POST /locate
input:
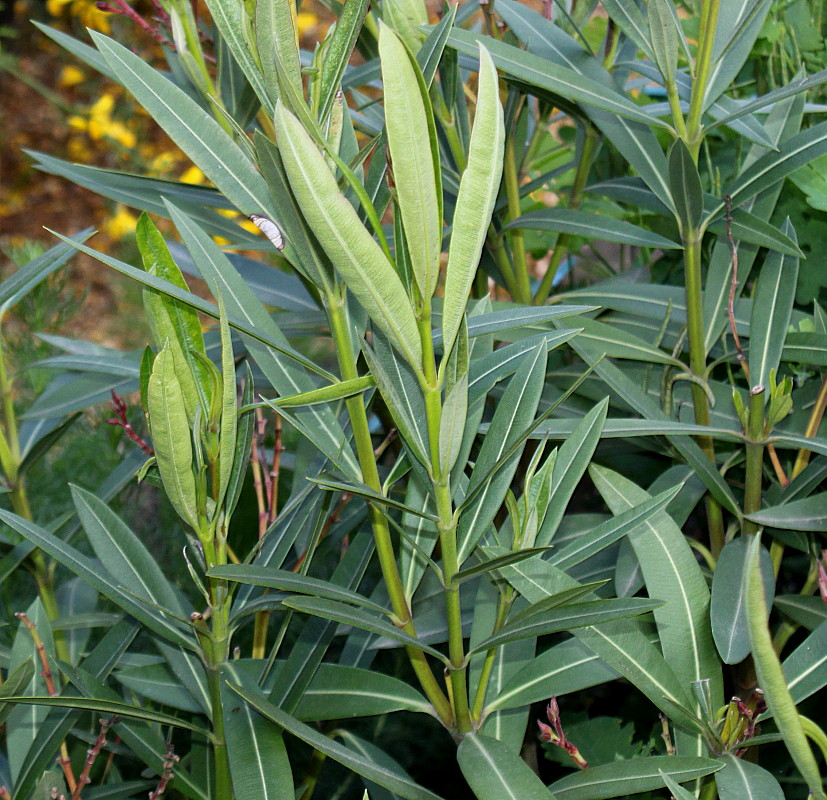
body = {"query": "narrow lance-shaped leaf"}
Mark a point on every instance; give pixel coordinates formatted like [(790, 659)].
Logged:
[(171, 438), (475, 200), (664, 37), (414, 157), (771, 677), (685, 184), (772, 308), (277, 43), (357, 257)]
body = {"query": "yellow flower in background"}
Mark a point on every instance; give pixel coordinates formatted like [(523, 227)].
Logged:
[(84, 10), (306, 22), (70, 76), (163, 162), (122, 224), (192, 175), (121, 134)]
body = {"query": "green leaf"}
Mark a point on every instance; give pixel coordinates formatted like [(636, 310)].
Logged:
[(495, 772), (771, 676), (327, 394), (15, 683), (93, 574), (452, 424), (591, 226), (358, 258), (553, 78), (748, 228), (475, 200), (229, 406), (569, 467), (514, 414), (496, 563), (792, 153), (617, 343), (567, 618), (664, 38), (728, 607), (287, 581), (672, 574), (277, 44), (678, 792), (155, 682), (345, 615), (190, 127), (807, 611), (630, 20), (343, 692), (269, 346), (805, 669), (171, 438), (414, 157), (808, 514), (339, 50), (685, 184), (742, 780), (352, 760), (258, 759), (108, 707), (567, 667), (610, 531), (772, 306), (630, 777)]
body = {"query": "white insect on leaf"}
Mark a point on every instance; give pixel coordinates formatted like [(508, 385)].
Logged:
[(269, 229)]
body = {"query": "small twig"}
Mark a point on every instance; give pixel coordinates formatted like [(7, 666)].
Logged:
[(120, 421), (733, 285), (777, 466), (48, 678), (666, 736), (555, 734), (170, 760), (275, 470), (91, 754), (822, 576), (256, 462)]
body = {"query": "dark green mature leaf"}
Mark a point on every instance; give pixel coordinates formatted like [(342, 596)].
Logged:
[(772, 306), (346, 615), (742, 780), (591, 226), (553, 78), (15, 683), (808, 514), (288, 581), (793, 153), (567, 618), (805, 669), (190, 127), (98, 577), (258, 759), (631, 776), (495, 772), (807, 611), (728, 607), (352, 760), (685, 183)]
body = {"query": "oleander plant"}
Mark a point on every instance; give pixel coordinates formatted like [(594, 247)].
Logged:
[(479, 447)]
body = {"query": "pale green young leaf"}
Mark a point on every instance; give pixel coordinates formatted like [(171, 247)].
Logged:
[(685, 185), (278, 44), (452, 424), (664, 38), (495, 772), (357, 257), (405, 17), (171, 438), (414, 157), (771, 676), (477, 192), (190, 127), (327, 394), (772, 306), (229, 406)]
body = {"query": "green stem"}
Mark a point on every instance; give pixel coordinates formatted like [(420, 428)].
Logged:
[(217, 648), (446, 526), (511, 179), (703, 66), (381, 531), (697, 366), (561, 247), (755, 458), (503, 604)]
